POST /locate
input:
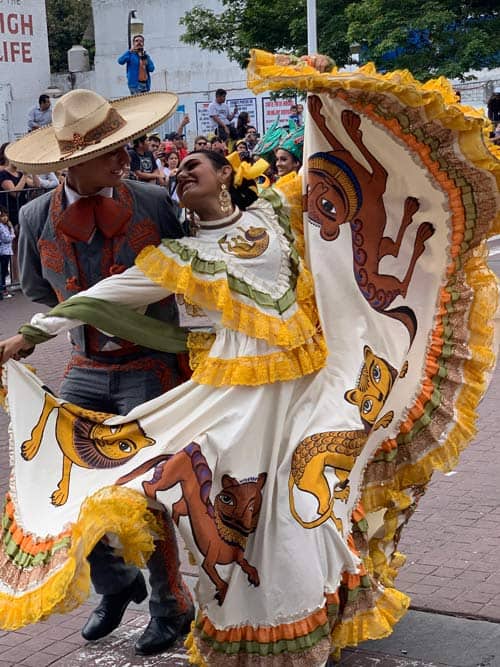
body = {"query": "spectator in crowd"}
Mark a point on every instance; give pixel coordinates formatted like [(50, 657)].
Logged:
[(7, 235), (178, 143), (139, 67), (294, 114), (300, 114), (13, 186), (201, 143), (48, 180), (218, 145), (251, 138), (242, 148), (496, 135), (242, 125), (494, 106), (143, 163), (171, 162), (41, 115), (154, 145), (220, 115), (87, 229)]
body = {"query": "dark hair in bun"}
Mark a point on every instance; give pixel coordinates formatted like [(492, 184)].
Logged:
[(242, 196)]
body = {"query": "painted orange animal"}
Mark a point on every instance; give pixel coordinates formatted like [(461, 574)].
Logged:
[(221, 529), (340, 191), (84, 441)]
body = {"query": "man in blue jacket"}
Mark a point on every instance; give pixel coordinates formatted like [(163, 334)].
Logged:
[(139, 67)]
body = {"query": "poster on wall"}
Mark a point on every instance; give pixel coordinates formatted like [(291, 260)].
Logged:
[(273, 109), (248, 104), (204, 123)]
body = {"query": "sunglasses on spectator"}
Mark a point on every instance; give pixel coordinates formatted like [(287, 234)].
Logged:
[(202, 143)]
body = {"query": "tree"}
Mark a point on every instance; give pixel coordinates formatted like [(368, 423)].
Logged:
[(67, 21), (272, 25), (429, 37)]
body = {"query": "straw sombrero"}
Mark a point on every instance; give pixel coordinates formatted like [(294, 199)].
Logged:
[(85, 125)]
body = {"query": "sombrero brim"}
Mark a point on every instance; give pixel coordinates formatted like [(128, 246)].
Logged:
[(39, 152)]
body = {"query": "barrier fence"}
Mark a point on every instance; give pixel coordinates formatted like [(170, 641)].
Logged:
[(13, 202)]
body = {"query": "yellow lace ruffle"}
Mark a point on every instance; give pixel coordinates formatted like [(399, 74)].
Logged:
[(286, 331), (264, 369), (436, 95), (376, 623), (445, 457), (112, 509), (290, 186), (194, 655)]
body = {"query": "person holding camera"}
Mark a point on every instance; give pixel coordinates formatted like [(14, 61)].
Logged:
[(139, 67)]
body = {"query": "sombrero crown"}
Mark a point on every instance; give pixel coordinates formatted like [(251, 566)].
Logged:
[(85, 125)]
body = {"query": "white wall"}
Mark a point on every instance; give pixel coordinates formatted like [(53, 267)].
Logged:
[(188, 71), (24, 62)]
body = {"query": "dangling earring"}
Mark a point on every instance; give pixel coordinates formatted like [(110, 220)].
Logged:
[(226, 205)]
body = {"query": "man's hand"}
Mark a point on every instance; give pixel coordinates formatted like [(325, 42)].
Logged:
[(12, 348)]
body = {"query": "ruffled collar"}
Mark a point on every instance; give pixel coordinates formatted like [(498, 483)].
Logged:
[(208, 225)]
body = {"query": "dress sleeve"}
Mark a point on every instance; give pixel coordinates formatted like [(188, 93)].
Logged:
[(130, 288)]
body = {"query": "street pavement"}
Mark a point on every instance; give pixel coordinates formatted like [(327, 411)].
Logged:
[(452, 544)]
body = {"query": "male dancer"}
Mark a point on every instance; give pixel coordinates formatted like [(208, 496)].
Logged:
[(91, 227)]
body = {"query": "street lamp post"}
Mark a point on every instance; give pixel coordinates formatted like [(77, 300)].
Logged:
[(312, 34), (135, 26)]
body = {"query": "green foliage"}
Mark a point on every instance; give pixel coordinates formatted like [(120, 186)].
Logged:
[(272, 25), (67, 21), (428, 37)]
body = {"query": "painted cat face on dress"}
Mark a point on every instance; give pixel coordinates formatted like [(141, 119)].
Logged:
[(373, 387), (237, 507)]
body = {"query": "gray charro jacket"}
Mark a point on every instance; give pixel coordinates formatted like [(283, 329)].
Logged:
[(53, 268)]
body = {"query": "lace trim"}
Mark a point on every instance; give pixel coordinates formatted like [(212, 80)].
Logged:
[(288, 330), (112, 509), (264, 369), (205, 253)]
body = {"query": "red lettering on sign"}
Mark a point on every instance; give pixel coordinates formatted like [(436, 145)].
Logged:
[(26, 52), (12, 24), (12, 52), (27, 24)]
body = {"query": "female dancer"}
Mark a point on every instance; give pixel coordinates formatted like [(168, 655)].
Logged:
[(263, 455)]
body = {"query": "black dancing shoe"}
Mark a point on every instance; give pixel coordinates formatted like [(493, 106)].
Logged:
[(108, 615), (162, 633)]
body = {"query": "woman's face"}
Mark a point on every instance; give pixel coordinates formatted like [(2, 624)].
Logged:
[(285, 162), (173, 161), (199, 181), (242, 148)]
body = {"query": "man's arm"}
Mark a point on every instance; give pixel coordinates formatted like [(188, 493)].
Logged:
[(147, 176), (48, 180), (32, 125), (150, 66), (33, 284), (124, 58)]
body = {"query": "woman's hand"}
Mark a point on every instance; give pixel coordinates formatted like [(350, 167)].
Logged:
[(12, 348)]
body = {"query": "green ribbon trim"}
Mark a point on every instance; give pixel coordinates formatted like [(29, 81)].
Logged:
[(22, 559), (34, 335), (211, 268), (120, 321), (297, 645)]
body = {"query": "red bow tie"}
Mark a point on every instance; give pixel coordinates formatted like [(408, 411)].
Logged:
[(79, 221)]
